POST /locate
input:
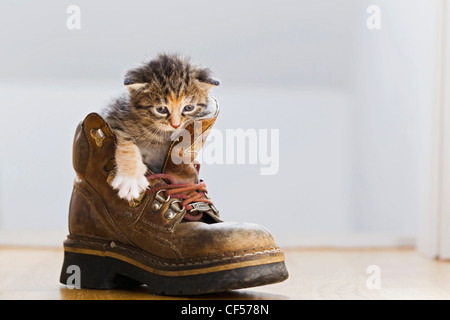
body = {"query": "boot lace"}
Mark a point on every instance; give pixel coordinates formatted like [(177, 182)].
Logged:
[(189, 193)]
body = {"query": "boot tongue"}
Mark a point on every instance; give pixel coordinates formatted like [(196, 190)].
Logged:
[(179, 161)]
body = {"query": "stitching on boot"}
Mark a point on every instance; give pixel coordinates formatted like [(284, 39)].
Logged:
[(272, 249), (158, 227)]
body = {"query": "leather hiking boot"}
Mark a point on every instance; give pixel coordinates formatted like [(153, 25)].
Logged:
[(170, 239)]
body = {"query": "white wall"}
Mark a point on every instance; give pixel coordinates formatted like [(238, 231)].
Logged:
[(289, 42), (352, 105), (394, 95)]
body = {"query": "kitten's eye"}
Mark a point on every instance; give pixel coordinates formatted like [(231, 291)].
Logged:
[(188, 108), (162, 110)]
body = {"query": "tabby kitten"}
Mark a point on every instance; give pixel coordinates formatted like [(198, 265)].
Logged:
[(165, 95)]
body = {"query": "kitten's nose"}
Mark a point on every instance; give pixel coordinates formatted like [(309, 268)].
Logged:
[(175, 121)]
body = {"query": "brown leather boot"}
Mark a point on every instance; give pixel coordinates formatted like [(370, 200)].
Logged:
[(171, 239)]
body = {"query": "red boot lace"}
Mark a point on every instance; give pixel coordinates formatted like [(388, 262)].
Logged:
[(189, 193)]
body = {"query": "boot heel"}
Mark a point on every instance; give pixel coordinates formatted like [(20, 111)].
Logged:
[(84, 271)]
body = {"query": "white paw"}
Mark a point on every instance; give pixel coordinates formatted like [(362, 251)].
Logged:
[(130, 187)]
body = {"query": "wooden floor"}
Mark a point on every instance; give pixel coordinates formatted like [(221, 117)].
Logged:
[(27, 273)]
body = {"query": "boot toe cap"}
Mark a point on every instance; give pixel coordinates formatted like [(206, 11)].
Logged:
[(224, 238)]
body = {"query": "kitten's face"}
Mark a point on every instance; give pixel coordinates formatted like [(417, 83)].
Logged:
[(169, 92), (167, 112)]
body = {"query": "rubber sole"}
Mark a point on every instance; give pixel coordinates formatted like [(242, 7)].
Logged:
[(118, 268)]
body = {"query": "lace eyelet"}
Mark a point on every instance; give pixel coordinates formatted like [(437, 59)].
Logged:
[(173, 210)]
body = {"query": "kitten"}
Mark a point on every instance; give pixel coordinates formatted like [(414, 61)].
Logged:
[(165, 95)]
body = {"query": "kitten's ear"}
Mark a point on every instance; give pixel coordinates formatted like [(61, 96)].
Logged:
[(208, 83), (134, 86), (205, 81)]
